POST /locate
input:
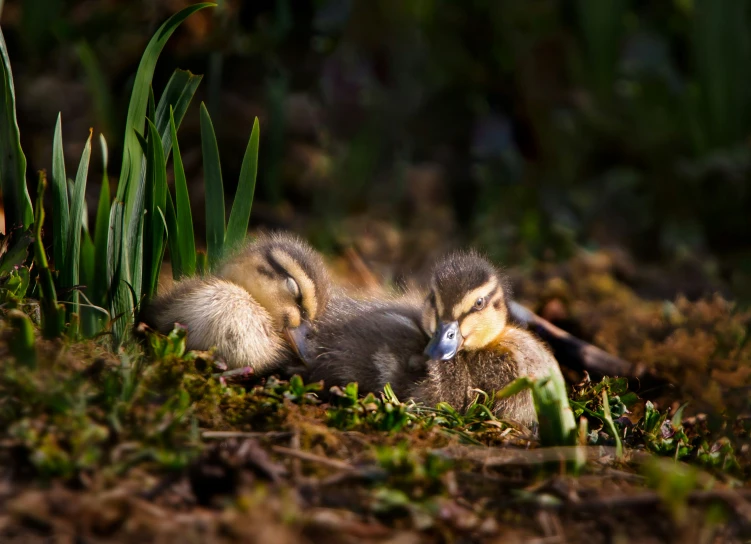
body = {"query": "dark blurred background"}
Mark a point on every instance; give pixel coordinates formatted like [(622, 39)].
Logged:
[(531, 129)]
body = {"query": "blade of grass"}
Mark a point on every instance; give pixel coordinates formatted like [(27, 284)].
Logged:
[(212, 179), (53, 314), (77, 211), (183, 237), (610, 424), (156, 200), (87, 266), (173, 233), (174, 102), (132, 153), (178, 94), (136, 287), (118, 295), (101, 226), (239, 217), (124, 223), (17, 204), (60, 206)]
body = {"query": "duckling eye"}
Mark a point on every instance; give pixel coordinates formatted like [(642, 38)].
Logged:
[(292, 287), (479, 304)]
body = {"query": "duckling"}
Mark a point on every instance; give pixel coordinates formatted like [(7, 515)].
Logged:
[(260, 300), (473, 346), (373, 342)]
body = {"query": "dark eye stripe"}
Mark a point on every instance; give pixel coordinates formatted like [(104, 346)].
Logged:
[(488, 298), (278, 268)]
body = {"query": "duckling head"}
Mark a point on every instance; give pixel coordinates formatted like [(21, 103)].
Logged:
[(466, 308), (287, 277)]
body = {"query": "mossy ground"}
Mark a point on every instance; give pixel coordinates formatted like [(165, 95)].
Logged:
[(150, 445)]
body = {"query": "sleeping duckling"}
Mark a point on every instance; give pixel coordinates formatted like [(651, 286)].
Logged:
[(372, 342), (251, 311), (473, 346)]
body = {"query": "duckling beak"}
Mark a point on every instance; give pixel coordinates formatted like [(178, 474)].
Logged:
[(298, 339), (445, 342)]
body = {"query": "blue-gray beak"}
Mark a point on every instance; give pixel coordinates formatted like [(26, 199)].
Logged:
[(445, 342), (298, 340)]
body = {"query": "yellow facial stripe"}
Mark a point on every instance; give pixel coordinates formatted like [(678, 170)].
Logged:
[(307, 287), (438, 302), (466, 304)]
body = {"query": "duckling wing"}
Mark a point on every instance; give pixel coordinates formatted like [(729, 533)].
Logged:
[(371, 342), (222, 315)]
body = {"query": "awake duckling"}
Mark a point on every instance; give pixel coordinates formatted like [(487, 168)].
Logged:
[(253, 309), (473, 346)]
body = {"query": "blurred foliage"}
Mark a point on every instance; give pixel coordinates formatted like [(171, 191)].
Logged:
[(526, 127)]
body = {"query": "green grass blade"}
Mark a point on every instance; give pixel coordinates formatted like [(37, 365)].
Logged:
[(101, 226), (173, 234), (610, 424), (174, 102), (239, 217), (156, 200), (53, 314), (87, 268), (18, 210), (132, 177), (152, 104), (77, 211), (178, 94), (118, 293), (554, 414), (132, 154), (212, 178), (60, 206), (184, 236), (136, 285)]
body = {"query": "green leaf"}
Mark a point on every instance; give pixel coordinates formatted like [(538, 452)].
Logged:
[(239, 217), (122, 251), (101, 226), (132, 154), (212, 178), (22, 339), (87, 267), (156, 200), (14, 248), (185, 237), (136, 285), (173, 234), (173, 104), (556, 420), (513, 388), (18, 210), (53, 314), (117, 272), (77, 210), (60, 206), (610, 424)]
